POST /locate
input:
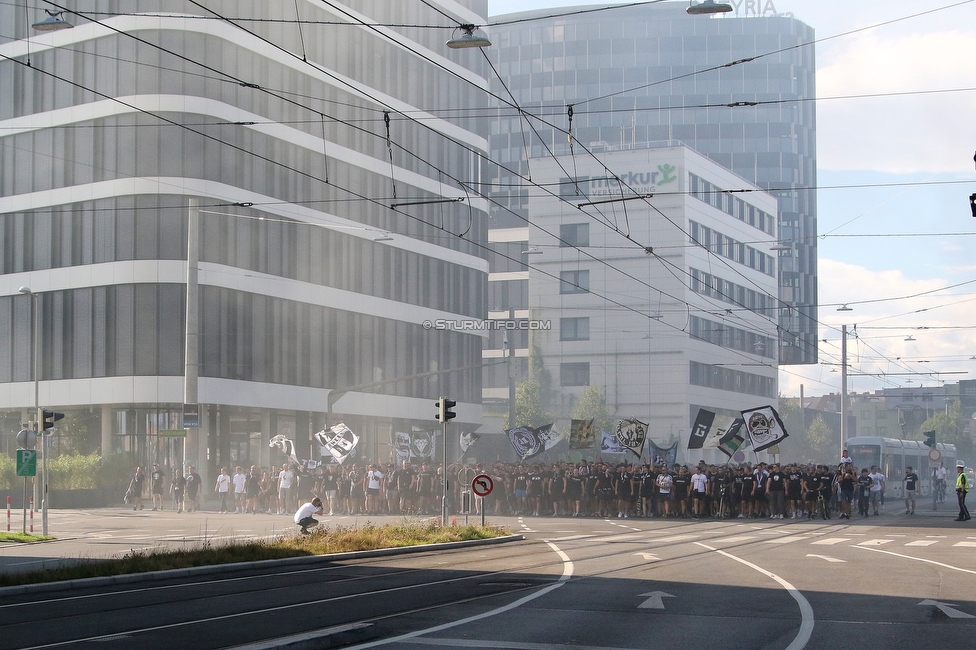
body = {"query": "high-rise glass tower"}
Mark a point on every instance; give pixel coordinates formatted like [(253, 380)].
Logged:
[(648, 76)]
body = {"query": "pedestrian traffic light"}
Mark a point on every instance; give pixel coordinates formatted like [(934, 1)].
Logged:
[(50, 417), (972, 203), (929, 439), (444, 412)]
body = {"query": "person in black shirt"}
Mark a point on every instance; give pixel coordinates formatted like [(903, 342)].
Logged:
[(794, 490), (911, 488), (846, 486), (680, 485), (864, 484), (776, 489), (748, 491)]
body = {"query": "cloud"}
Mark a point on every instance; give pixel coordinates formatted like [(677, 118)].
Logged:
[(916, 133), (877, 331)]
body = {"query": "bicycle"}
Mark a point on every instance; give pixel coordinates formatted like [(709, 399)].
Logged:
[(823, 506)]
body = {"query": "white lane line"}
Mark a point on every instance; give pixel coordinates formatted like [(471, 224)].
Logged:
[(830, 541), (571, 538), (730, 540), (917, 559), (786, 540), (568, 569), (806, 611), (875, 542), (923, 542), (966, 544), (676, 538)]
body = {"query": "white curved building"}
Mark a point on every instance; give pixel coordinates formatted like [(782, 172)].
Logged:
[(324, 151)]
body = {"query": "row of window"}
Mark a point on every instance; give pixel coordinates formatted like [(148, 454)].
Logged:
[(735, 294), (139, 330), (731, 205), (733, 338), (729, 248), (736, 381), (154, 228)]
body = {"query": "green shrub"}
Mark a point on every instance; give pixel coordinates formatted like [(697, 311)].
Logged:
[(74, 472), (8, 473)]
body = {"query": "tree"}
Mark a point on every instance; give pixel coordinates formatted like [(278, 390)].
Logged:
[(591, 405), (535, 397)]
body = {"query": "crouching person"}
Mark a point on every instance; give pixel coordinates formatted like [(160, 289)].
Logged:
[(304, 515)]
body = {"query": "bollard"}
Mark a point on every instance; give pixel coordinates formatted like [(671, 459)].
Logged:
[(32, 514), (8, 514)]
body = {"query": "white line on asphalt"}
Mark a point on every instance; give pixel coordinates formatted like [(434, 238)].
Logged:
[(568, 569), (826, 557), (806, 611), (917, 559), (571, 538)]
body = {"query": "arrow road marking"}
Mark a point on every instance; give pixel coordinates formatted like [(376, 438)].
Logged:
[(825, 557), (946, 608), (647, 556), (655, 601)]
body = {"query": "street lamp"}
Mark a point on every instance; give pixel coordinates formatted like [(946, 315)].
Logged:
[(709, 7), (38, 417), (468, 39), (53, 23)]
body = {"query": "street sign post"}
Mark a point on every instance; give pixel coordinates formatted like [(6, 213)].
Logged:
[(26, 462), (482, 485)]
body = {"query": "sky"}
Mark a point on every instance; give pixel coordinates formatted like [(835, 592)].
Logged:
[(896, 137)]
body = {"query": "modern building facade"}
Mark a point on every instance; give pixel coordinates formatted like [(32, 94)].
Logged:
[(314, 161), (668, 304), (626, 78)]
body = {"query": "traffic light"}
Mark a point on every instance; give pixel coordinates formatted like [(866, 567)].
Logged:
[(50, 417), (929, 439), (444, 412), (972, 203)]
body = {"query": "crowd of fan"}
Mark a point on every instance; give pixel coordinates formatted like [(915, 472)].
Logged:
[(601, 489)]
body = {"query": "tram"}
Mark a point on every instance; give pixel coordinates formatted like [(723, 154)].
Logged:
[(892, 456)]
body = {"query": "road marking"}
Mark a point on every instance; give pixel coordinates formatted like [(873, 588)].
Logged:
[(676, 538), (917, 559), (656, 600), (571, 538), (875, 542), (786, 540), (623, 537), (966, 544), (648, 556), (731, 540), (826, 557), (830, 541), (923, 542), (947, 609), (806, 611), (568, 569)]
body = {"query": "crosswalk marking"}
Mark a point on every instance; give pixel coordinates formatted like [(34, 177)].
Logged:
[(787, 540), (875, 542), (966, 544), (923, 542), (831, 541), (730, 540), (676, 538)]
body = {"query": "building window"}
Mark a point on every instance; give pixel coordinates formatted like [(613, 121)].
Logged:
[(574, 282), (574, 234), (574, 374), (574, 329)]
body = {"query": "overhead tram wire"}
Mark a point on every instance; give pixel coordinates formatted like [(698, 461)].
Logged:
[(366, 198), (779, 51)]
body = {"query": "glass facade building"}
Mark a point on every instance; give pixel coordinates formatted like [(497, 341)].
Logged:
[(627, 78), (325, 158)]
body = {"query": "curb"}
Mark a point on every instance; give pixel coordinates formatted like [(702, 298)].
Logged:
[(217, 569)]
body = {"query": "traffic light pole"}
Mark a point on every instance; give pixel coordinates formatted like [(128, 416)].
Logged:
[(444, 477), (39, 413)]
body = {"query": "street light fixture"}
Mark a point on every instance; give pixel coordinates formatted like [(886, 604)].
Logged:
[(38, 416), (709, 7), (53, 23), (468, 39)]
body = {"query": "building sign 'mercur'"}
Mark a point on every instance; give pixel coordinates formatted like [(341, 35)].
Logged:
[(753, 7), (637, 182)]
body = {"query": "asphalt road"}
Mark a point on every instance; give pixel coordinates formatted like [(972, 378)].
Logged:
[(889, 582)]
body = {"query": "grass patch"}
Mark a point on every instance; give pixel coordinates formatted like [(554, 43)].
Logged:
[(321, 541), (22, 537)]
